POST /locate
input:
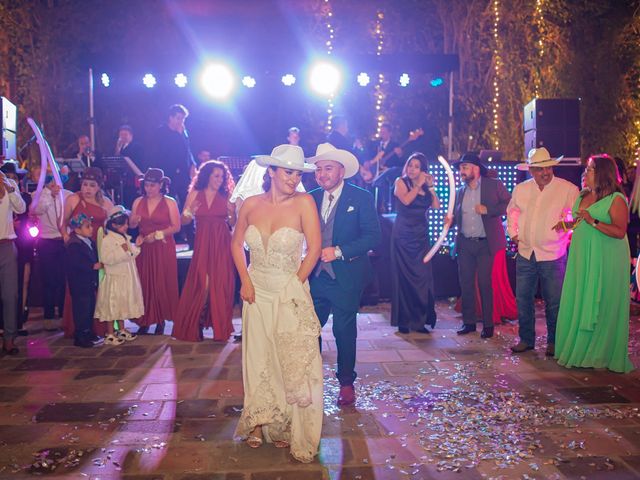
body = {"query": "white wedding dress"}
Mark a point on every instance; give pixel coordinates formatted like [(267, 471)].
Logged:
[(281, 362)]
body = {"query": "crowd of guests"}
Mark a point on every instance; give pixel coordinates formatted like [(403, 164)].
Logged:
[(121, 265)]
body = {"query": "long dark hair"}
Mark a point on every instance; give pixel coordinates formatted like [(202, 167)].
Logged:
[(424, 167), (116, 221), (201, 180), (606, 176)]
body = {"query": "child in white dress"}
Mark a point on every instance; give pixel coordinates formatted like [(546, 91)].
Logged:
[(119, 292)]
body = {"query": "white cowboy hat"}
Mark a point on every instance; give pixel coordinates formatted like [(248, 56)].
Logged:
[(285, 156), (539, 157), (326, 151)]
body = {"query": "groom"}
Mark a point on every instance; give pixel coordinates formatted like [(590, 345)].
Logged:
[(350, 229)]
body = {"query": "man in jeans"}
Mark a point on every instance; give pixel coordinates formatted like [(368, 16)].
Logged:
[(535, 221)]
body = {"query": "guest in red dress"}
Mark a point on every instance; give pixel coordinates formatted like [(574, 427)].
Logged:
[(207, 297), (158, 217), (90, 201)]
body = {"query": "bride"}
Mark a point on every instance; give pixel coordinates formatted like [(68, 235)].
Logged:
[(281, 363)]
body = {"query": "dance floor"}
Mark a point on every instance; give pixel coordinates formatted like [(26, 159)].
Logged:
[(429, 406)]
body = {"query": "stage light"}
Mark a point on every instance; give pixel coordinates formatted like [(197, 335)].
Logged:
[(34, 231), (181, 80), (106, 81), (436, 82), (363, 79), (404, 80), (248, 81), (149, 80), (325, 78), (217, 81), (288, 79)]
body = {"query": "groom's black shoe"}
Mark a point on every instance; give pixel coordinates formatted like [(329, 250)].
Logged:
[(466, 329), (487, 332)]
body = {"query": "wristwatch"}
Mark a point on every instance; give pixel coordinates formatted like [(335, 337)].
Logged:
[(595, 222), (338, 252)]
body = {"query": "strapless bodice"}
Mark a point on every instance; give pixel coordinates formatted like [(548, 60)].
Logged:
[(281, 252)]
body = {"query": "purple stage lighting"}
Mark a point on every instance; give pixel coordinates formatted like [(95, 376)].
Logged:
[(363, 79), (217, 81), (149, 80), (248, 81), (404, 80), (288, 79), (325, 78), (106, 81), (181, 80)]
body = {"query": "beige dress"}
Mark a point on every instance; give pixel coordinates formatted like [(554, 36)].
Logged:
[(281, 362)]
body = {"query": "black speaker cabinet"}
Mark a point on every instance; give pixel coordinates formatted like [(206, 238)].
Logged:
[(9, 115), (8, 150), (558, 141), (552, 113)]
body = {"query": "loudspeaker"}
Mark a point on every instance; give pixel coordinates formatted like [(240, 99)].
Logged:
[(9, 115), (8, 150), (552, 113), (558, 141), (553, 123)]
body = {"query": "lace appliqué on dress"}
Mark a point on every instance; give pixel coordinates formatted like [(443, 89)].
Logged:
[(297, 348)]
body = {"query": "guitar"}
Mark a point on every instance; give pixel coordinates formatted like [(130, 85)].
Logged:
[(368, 170)]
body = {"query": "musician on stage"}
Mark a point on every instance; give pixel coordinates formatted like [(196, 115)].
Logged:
[(388, 168), (133, 154)]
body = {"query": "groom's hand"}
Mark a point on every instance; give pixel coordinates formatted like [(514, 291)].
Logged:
[(328, 254)]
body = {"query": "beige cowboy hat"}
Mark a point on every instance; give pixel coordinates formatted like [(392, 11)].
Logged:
[(348, 160), (285, 156), (539, 157)]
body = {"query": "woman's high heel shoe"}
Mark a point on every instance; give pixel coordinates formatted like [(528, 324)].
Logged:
[(254, 442)]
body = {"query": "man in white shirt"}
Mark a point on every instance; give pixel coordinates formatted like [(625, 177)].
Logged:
[(49, 209), (538, 206), (10, 202)]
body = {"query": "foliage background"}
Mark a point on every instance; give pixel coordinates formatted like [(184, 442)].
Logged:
[(591, 51)]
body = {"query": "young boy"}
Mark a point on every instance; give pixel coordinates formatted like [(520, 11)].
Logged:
[(82, 276)]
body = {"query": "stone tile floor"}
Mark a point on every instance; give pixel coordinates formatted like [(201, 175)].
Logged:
[(432, 406)]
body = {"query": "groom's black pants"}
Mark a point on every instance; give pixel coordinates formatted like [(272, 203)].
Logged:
[(329, 297)]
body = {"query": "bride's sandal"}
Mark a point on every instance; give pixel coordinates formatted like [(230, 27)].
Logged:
[(281, 444), (254, 442)]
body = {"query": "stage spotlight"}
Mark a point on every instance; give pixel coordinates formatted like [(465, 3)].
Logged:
[(106, 81), (248, 81), (288, 79), (181, 80), (404, 79), (217, 81), (436, 82), (325, 78), (149, 80), (363, 79)]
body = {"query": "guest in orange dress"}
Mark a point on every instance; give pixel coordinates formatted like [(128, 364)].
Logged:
[(207, 297), (158, 217), (90, 201)]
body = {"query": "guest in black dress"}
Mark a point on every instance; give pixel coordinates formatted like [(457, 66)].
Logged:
[(412, 302)]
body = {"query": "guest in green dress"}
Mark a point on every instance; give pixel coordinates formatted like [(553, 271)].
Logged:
[(593, 322)]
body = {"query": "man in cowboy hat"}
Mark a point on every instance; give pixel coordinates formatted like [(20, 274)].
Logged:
[(480, 205), (350, 228), (538, 207)]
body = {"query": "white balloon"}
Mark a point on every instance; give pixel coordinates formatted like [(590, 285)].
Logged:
[(452, 202)]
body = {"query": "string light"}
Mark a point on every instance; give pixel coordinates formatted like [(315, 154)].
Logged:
[(378, 90), (497, 65), (330, 32), (538, 16)]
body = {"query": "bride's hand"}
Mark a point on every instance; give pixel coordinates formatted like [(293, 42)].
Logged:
[(247, 292)]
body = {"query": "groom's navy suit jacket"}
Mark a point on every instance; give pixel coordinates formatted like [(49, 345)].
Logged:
[(356, 230)]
